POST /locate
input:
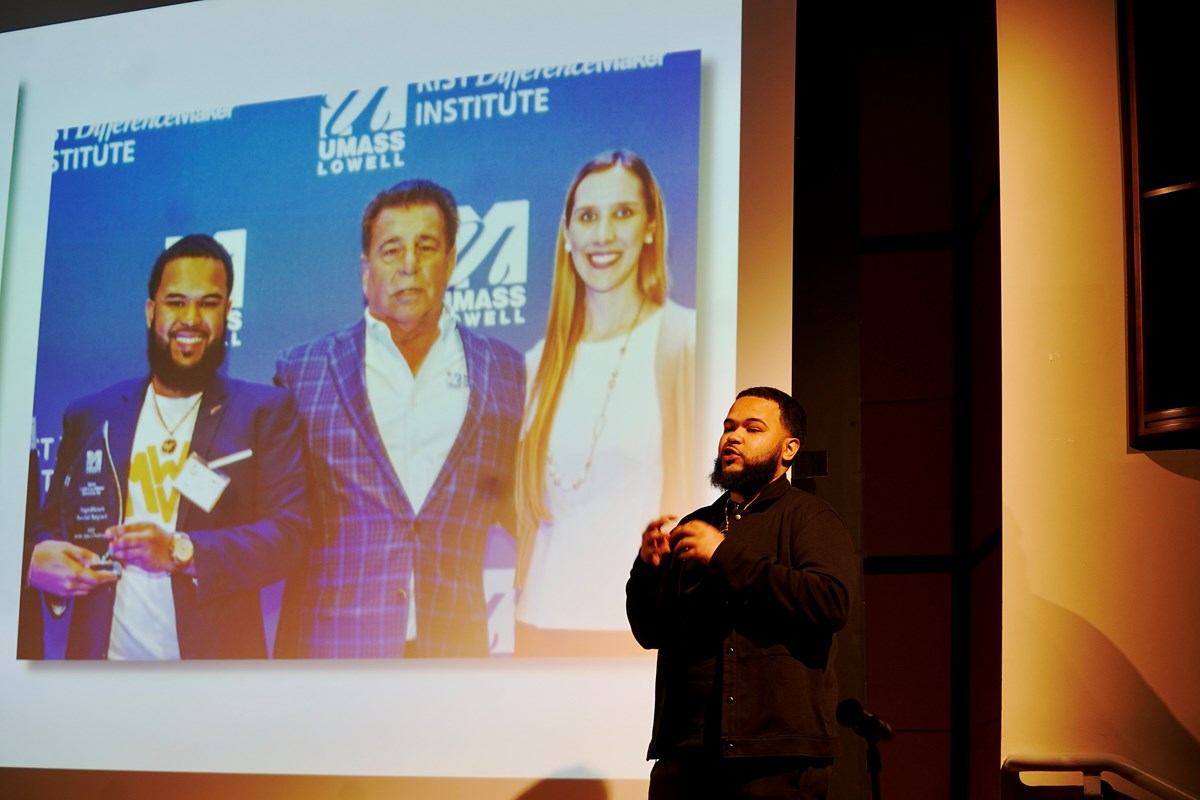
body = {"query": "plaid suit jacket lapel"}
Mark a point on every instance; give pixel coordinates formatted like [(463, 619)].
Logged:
[(346, 359), (467, 442)]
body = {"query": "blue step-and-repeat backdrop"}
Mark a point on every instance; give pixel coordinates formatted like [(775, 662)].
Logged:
[(283, 185)]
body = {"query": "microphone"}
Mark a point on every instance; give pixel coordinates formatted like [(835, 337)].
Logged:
[(851, 714)]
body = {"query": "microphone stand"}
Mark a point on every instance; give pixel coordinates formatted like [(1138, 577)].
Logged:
[(851, 714), (874, 765)]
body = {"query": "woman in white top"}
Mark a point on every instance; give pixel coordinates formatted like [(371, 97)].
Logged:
[(608, 416)]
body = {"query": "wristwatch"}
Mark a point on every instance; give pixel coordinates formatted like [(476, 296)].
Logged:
[(182, 551)]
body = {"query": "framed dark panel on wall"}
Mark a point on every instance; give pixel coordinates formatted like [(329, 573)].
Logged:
[(1159, 76)]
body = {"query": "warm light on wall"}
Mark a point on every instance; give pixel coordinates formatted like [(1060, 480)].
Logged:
[(1101, 544)]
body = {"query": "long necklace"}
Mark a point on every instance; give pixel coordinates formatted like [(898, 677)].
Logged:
[(552, 468), (169, 444)]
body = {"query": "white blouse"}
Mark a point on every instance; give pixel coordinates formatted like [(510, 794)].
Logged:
[(581, 558)]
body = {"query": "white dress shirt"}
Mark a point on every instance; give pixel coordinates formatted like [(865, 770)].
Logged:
[(418, 416)]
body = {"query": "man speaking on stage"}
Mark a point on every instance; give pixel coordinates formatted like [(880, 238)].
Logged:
[(742, 599)]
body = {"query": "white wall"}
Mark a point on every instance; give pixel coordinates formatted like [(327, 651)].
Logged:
[(1101, 544)]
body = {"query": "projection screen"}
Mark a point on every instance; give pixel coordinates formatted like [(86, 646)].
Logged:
[(493, 717)]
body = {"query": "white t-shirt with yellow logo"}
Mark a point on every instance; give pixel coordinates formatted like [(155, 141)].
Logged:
[(144, 615)]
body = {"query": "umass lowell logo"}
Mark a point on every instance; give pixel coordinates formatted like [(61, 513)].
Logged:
[(362, 131), (487, 288)]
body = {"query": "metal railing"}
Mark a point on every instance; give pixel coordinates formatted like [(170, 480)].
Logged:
[(1092, 765)]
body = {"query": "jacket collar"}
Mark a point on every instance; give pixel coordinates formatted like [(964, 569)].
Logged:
[(346, 359), (769, 494)]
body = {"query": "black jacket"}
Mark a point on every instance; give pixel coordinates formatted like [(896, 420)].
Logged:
[(775, 592)]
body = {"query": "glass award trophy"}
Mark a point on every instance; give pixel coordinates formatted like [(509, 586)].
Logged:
[(91, 499)]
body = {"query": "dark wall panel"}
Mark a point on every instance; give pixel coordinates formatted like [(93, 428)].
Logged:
[(905, 140), (908, 641), (906, 326), (906, 488)]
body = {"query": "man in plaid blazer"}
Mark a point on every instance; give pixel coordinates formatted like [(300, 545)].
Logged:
[(412, 423)]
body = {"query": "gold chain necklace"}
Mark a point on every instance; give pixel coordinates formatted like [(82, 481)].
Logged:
[(169, 444)]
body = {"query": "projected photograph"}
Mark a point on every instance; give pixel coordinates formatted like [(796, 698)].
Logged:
[(398, 371)]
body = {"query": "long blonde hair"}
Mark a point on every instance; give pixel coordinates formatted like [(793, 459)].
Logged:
[(564, 326)]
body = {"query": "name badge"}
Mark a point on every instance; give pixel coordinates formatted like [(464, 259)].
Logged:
[(201, 483)]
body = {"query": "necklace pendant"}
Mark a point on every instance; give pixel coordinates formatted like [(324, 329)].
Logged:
[(168, 445)]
